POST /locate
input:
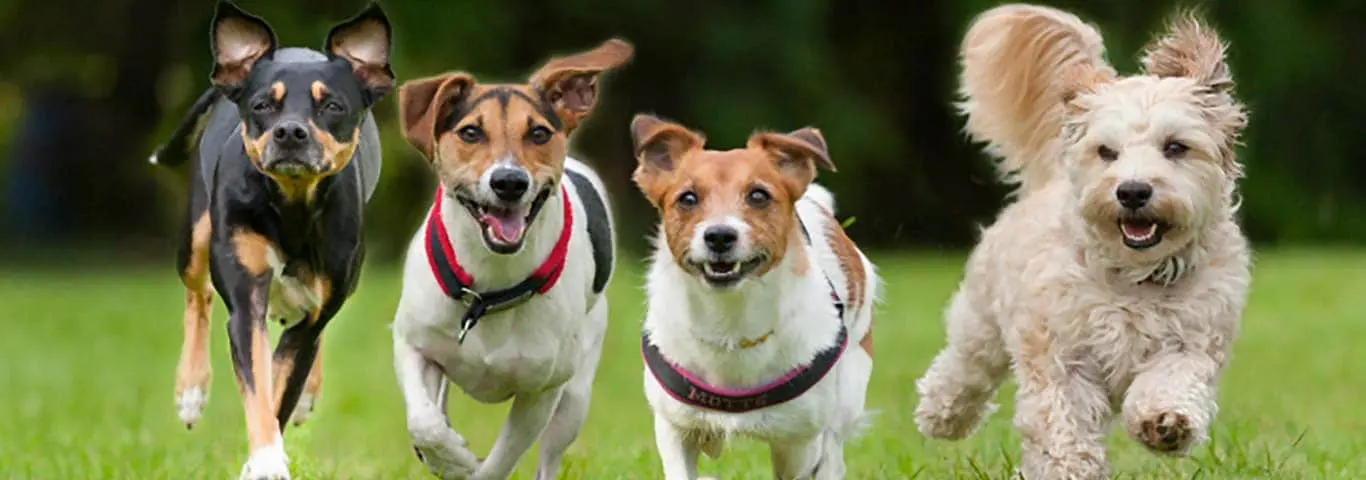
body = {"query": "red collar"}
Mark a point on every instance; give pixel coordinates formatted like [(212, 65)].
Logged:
[(459, 285)]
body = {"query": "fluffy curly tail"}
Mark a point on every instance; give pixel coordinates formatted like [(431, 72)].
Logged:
[(1015, 59)]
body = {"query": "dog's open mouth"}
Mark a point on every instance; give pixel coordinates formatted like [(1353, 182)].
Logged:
[(504, 227), (1141, 233), (727, 273)]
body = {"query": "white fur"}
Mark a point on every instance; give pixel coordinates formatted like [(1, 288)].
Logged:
[(696, 327), (190, 404), (542, 354), (1091, 328), (268, 462)]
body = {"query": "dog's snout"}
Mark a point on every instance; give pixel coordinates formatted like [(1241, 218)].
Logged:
[(720, 239), (1134, 195), (509, 184), (290, 134)]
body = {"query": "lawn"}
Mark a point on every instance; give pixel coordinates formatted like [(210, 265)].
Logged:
[(89, 359)]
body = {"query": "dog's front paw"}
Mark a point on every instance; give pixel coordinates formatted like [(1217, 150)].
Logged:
[(302, 409), (1166, 432), (189, 404), (443, 451), (267, 463)]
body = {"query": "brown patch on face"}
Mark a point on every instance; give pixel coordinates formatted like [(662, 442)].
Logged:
[(255, 147), (252, 251), (277, 92), (193, 369), (498, 122), (259, 402), (722, 182), (336, 153), (319, 90)]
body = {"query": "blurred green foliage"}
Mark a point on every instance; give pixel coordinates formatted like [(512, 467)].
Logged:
[(876, 77)]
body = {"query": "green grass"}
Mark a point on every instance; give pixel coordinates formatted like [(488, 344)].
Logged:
[(89, 360)]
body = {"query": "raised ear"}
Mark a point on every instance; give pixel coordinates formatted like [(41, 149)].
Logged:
[(570, 83), (797, 154), (1082, 79), (1189, 49), (238, 39), (424, 101), (365, 42), (658, 146)]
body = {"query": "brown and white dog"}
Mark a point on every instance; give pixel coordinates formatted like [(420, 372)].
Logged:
[(760, 308), (519, 243)]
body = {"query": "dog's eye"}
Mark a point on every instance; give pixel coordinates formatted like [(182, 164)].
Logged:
[(539, 135), (1106, 153), (687, 200), (262, 106), (758, 198), (470, 134), (1174, 149), (333, 107)]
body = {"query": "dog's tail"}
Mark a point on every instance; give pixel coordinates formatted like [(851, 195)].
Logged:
[(1016, 61), (176, 150)]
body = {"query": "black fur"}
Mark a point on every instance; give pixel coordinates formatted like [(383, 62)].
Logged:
[(321, 233), (599, 228)]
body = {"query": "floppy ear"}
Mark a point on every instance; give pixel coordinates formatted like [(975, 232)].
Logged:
[(365, 42), (570, 83), (658, 147), (1193, 50), (238, 39), (796, 154), (424, 101)]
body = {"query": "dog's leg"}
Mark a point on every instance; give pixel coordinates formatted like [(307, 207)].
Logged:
[(1170, 405), (528, 418), (956, 391), (443, 451), (312, 389), (294, 357), (797, 460), (572, 408), (193, 371), (1062, 413), (247, 279), (677, 450)]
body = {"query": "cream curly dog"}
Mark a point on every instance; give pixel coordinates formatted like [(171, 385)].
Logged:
[(1115, 282)]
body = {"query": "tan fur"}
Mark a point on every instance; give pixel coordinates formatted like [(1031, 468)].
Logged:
[(277, 92), (570, 83), (1092, 328), (252, 251), (318, 89), (1012, 57), (255, 147), (505, 131), (259, 402), (194, 369), (855, 277)]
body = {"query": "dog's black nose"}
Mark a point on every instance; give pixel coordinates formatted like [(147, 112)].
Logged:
[(290, 134), (509, 184), (1134, 195), (720, 239)]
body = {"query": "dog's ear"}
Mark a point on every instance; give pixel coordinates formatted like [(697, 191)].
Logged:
[(423, 102), (796, 154), (659, 145), (1192, 49), (570, 83), (365, 41), (238, 39), (1082, 79)]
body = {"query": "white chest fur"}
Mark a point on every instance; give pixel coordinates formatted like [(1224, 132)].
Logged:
[(290, 300)]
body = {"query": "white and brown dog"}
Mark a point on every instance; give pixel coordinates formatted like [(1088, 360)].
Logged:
[(503, 285), (760, 308), (1116, 281)]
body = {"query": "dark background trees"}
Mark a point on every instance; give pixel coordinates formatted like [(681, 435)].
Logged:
[(87, 88)]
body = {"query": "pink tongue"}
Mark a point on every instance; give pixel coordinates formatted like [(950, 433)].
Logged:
[(506, 226), (1137, 230)]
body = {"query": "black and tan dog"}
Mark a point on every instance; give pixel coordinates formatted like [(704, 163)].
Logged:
[(286, 161)]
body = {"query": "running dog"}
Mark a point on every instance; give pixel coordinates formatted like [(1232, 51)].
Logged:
[(503, 284), (1114, 284), (287, 158), (755, 296)]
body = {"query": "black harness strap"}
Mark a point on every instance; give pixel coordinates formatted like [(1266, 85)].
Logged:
[(691, 390)]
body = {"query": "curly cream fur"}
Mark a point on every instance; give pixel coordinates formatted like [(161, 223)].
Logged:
[(1090, 327)]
